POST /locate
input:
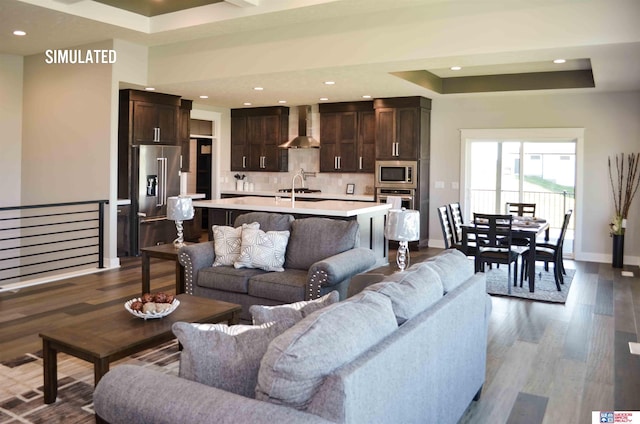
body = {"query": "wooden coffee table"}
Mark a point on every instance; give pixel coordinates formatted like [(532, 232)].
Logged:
[(120, 334)]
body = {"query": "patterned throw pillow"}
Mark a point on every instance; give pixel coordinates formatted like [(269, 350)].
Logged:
[(262, 250), (293, 312), (227, 242), (222, 356)]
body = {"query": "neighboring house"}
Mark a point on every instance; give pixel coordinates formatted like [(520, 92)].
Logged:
[(59, 122)]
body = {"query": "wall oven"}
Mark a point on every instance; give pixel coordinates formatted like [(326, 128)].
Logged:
[(396, 174), (407, 196)]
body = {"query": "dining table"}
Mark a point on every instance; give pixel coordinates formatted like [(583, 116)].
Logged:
[(527, 228)]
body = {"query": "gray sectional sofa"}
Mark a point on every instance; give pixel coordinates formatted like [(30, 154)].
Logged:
[(322, 255), (409, 349)]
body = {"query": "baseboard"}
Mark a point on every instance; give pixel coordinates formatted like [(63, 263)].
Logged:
[(604, 258), (436, 243)]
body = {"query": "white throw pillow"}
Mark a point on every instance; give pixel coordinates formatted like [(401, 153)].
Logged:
[(222, 356), (227, 242), (262, 250), (293, 312)]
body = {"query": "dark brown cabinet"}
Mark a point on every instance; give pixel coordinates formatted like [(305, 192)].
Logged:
[(402, 128), (255, 136), (403, 132), (347, 137), (149, 118), (184, 133)]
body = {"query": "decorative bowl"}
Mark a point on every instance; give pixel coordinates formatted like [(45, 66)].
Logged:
[(150, 315)]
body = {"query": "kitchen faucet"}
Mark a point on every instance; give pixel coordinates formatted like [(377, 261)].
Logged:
[(303, 176)]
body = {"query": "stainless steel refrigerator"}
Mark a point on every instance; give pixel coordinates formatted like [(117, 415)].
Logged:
[(155, 177)]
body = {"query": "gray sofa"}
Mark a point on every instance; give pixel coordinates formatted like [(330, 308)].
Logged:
[(322, 255), (410, 349)]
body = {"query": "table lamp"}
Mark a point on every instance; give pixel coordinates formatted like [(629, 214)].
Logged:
[(179, 209), (403, 226)]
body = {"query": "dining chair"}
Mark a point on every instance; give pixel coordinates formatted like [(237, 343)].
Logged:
[(455, 223), (496, 248), (521, 209), (445, 225), (550, 253), (524, 210)]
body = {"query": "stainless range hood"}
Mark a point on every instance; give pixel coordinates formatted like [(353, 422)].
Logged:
[(304, 139)]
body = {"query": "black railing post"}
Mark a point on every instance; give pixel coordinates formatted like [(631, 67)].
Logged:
[(101, 235)]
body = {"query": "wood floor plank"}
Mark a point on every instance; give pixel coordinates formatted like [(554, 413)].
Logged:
[(627, 374), (566, 392), (604, 298), (528, 409), (577, 339)]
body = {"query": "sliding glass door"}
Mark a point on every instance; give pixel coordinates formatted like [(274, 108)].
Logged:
[(507, 171)]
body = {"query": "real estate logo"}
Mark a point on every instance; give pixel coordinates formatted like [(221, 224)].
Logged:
[(615, 417), (78, 56)]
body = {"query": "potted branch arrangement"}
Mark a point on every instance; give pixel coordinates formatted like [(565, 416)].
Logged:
[(623, 187)]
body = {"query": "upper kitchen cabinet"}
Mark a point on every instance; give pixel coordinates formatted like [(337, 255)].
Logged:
[(149, 118), (184, 133), (347, 137), (402, 128), (255, 136)]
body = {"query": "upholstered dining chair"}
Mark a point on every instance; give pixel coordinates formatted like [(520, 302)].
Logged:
[(550, 253), (496, 248)]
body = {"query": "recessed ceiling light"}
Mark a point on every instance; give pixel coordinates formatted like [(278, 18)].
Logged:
[(247, 103), (204, 97), (456, 68), (150, 88), (329, 82), (282, 101), (258, 88), (19, 32), (366, 96), (559, 61), (324, 99)]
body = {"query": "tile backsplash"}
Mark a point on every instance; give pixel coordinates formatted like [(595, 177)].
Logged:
[(309, 160)]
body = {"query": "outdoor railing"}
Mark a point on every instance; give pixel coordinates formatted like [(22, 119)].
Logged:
[(549, 205), (43, 240)]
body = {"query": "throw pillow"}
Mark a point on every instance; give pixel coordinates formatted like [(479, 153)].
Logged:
[(227, 242), (293, 312), (222, 356), (262, 250), (297, 361), (452, 266)]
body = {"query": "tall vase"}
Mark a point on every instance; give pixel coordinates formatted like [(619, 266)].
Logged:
[(618, 251)]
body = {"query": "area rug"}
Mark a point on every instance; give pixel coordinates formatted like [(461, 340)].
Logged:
[(545, 288), (22, 396)]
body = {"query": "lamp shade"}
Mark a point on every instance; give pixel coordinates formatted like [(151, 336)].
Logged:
[(179, 208), (403, 225)]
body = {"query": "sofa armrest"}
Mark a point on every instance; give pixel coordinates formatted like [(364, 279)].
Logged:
[(337, 268), (193, 258), (131, 394)]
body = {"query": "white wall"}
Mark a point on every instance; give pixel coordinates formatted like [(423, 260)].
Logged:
[(66, 130), (611, 126), (11, 129)]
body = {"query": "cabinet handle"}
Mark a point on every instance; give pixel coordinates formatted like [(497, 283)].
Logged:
[(244, 162), (360, 162), (335, 162), (393, 149), (339, 162)]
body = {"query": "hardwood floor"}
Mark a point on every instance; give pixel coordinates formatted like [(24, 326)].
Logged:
[(547, 363)]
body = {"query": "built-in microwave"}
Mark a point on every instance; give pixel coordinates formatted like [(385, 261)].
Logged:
[(396, 173)]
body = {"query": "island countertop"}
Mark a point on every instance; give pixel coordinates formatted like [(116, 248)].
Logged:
[(337, 208)]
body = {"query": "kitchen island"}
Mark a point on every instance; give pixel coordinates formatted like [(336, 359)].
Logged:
[(370, 216)]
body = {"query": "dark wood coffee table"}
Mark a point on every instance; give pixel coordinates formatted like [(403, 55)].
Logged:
[(120, 334)]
